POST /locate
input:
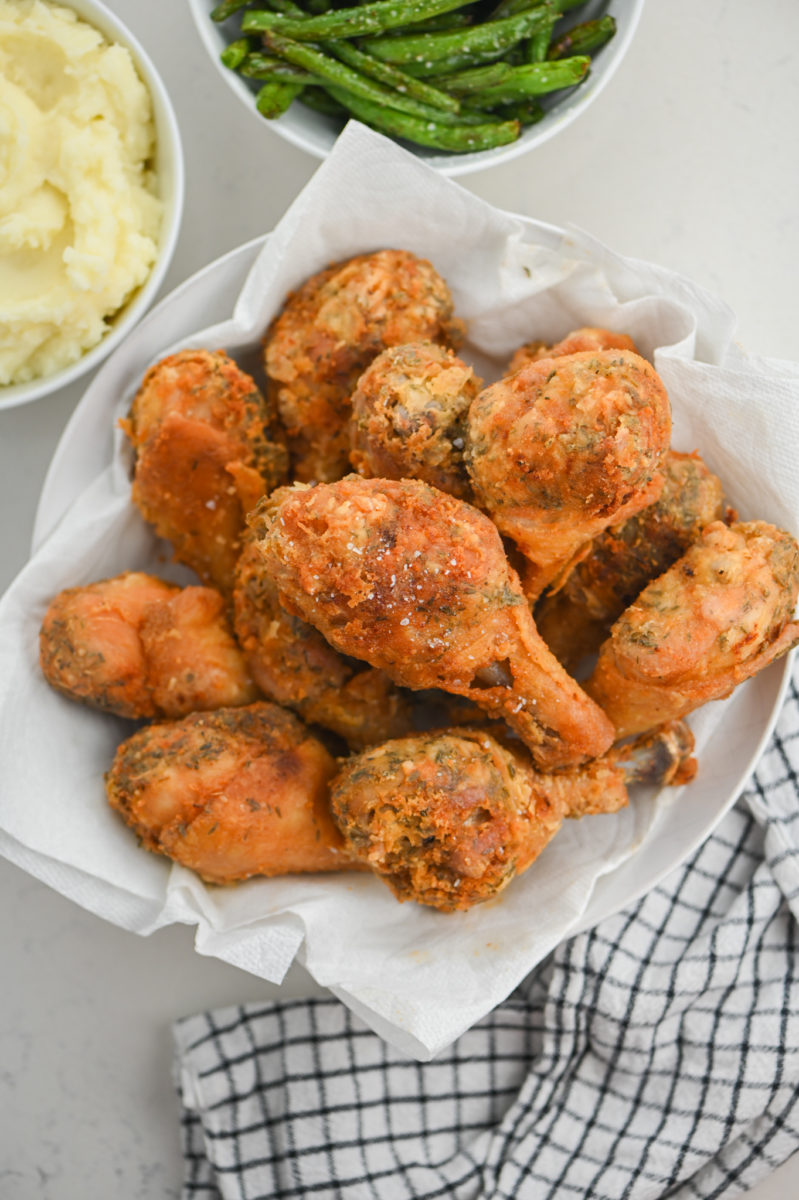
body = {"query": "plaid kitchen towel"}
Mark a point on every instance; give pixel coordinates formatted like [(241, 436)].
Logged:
[(655, 1056)]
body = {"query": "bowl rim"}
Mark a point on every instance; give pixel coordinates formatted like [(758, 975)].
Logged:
[(170, 173), (451, 165)]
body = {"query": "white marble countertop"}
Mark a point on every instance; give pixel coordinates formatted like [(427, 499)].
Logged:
[(688, 159)]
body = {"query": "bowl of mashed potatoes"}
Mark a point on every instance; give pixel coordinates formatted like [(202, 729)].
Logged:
[(91, 190)]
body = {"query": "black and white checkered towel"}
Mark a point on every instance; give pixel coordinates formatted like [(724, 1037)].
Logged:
[(655, 1056)]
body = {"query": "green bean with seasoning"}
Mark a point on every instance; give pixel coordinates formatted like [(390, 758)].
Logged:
[(450, 75), (347, 22), (266, 66), (391, 76), (234, 54), (276, 95), (450, 20), (537, 45), (475, 78), (533, 79), (253, 64), (337, 73), (582, 39), (481, 43), (227, 9), (457, 139)]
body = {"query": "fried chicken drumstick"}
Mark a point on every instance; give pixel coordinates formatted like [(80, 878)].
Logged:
[(293, 664), (588, 337), (329, 331), (230, 794), (448, 819), (564, 448), (416, 583), (139, 647), (207, 449), (576, 619), (718, 616), (409, 417)]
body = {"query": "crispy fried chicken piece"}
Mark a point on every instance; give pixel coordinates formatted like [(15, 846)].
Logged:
[(139, 647), (587, 338), (416, 583), (448, 819), (409, 417), (564, 448), (719, 615), (329, 331), (207, 448), (623, 559), (293, 664), (230, 794)]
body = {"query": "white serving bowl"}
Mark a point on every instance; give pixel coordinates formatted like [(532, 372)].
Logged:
[(169, 171), (55, 821), (316, 133)]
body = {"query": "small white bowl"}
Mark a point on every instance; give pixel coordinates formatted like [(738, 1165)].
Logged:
[(169, 172), (316, 133)]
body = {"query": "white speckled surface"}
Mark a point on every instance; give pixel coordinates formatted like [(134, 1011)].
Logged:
[(689, 159)]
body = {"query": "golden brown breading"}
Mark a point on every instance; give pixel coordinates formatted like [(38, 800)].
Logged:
[(328, 332), (416, 583), (207, 448), (622, 560), (588, 337), (720, 614), (139, 647), (448, 819), (564, 448), (293, 664), (409, 417), (230, 794)]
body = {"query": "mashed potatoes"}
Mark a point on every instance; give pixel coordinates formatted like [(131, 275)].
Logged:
[(79, 216)]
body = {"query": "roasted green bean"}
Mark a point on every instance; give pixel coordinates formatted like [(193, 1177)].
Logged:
[(537, 45), (235, 53), (459, 139), (475, 78), (347, 22), (392, 76), (275, 97), (533, 79), (227, 9), (266, 66), (452, 75), (582, 39), (332, 70), (479, 43)]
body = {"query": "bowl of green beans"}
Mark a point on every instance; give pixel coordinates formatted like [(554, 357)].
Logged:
[(464, 84)]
